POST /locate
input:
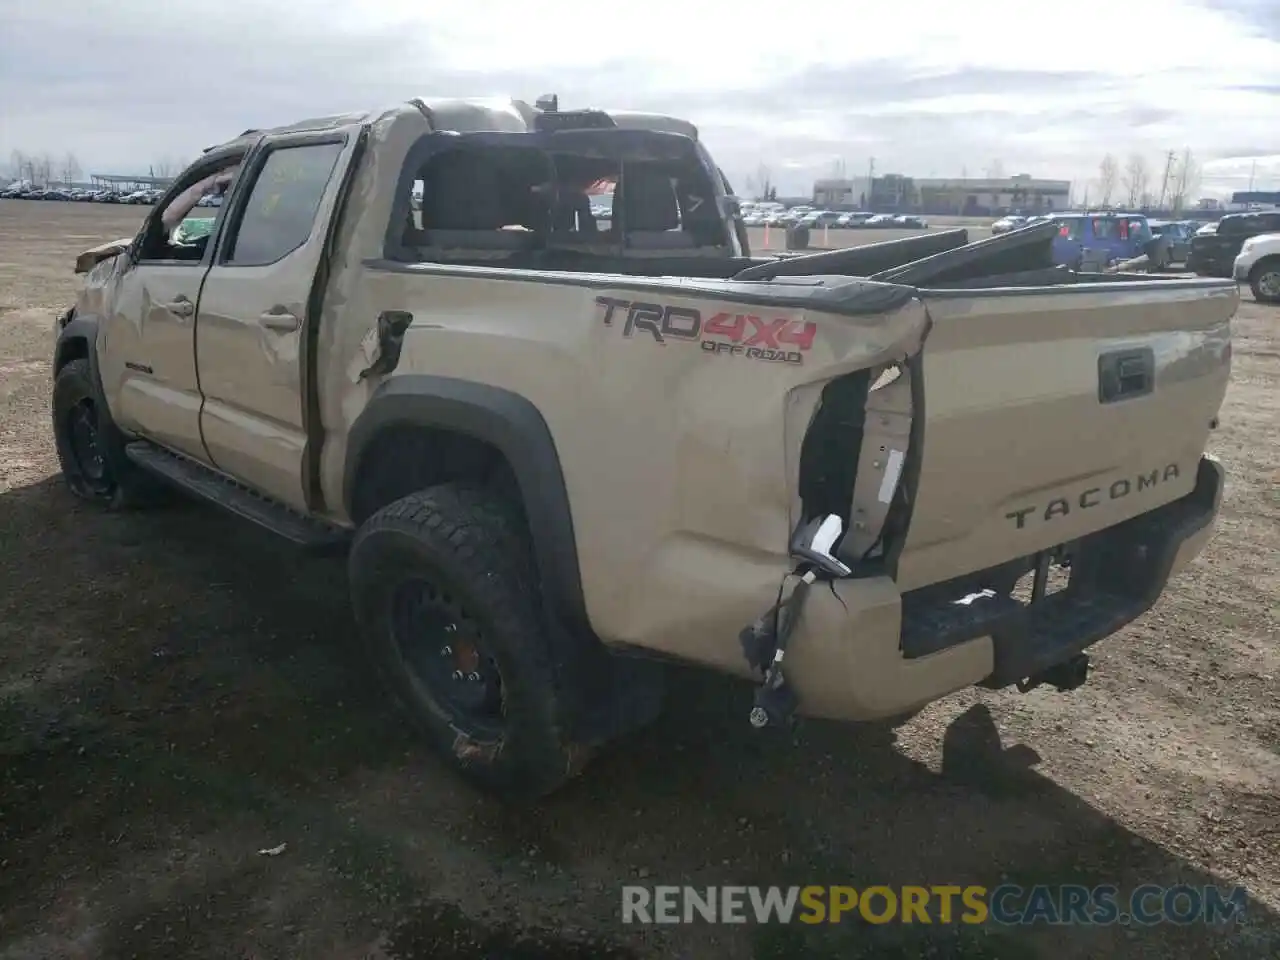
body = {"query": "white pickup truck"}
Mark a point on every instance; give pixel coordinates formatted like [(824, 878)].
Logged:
[(1258, 264)]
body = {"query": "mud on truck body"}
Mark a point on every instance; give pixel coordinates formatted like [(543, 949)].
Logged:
[(558, 452)]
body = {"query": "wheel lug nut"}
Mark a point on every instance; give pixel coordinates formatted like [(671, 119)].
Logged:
[(457, 674), (446, 651), (473, 677)]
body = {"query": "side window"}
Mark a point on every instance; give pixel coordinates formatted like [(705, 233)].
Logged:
[(415, 202), (180, 230), (1071, 228), (600, 195), (1104, 228), (281, 207)]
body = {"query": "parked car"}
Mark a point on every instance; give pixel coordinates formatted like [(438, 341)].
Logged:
[(820, 218), (848, 220), (1259, 266), (911, 222), (1173, 242), (1214, 254), (1005, 224), (1108, 237), (880, 220)]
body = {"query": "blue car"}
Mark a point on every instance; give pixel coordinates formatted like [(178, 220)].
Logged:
[(1112, 236)]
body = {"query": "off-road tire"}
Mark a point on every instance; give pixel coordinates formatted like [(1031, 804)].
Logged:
[(113, 481), (1270, 266), (470, 545)]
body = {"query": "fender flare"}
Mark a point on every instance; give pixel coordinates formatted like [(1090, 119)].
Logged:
[(514, 426), (82, 327)]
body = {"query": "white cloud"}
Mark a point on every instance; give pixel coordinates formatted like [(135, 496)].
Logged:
[(922, 86)]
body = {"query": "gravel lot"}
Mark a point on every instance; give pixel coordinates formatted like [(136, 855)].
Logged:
[(178, 691)]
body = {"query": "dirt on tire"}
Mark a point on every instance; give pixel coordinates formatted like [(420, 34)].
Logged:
[(195, 765)]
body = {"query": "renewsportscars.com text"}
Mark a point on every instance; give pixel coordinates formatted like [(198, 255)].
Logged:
[(1008, 904)]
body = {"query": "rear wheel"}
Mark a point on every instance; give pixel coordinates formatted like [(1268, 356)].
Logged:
[(1264, 280), (446, 596)]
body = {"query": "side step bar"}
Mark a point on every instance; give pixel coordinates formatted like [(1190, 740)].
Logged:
[(217, 488)]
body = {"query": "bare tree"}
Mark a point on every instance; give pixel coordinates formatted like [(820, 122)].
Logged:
[(1184, 181), (995, 170), (764, 182), (20, 165), (164, 168), (70, 169), (42, 169), (1108, 174), (1136, 177)]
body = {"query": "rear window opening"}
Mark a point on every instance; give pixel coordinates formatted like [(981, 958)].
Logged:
[(534, 206)]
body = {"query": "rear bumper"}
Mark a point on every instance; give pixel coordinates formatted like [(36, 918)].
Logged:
[(895, 654)]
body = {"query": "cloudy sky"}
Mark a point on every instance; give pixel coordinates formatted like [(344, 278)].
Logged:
[(926, 87)]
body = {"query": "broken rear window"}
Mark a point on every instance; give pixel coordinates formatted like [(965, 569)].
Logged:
[(506, 196)]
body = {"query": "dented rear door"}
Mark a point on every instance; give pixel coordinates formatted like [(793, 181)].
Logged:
[(1050, 413)]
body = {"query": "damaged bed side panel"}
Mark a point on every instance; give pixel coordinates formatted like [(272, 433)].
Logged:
[(684, 401)]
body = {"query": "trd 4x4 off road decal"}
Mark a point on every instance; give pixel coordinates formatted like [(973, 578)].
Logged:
[(777, 341)]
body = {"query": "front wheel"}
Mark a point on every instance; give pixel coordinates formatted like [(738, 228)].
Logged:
[(91, 448), (446, 597), (1264, 280)]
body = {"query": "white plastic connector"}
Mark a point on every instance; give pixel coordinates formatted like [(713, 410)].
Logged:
[(827, 535), (817, 548)]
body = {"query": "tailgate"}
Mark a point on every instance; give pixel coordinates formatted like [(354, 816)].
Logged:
[(1050, 413)]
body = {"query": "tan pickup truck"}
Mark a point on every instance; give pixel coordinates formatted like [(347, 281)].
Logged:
[(561, 444)]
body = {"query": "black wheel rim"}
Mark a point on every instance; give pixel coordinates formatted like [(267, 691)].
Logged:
[(85, 441), (1269, 284), (443, 648)]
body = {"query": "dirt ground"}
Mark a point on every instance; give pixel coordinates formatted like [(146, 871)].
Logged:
[(179, 691)]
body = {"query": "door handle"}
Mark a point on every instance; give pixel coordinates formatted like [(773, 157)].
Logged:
[(1123, 374), (280, 319), (180, 306)]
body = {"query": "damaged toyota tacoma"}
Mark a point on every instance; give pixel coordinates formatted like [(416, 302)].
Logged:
[(559, 449)]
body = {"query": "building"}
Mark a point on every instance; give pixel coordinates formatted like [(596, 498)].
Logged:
[(892, 192), (956, 195), (1252, 199), (992, 195), (1268, 198), (841, 194)]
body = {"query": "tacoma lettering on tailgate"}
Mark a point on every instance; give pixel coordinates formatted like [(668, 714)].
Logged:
[(778, 340), (1093, 496)]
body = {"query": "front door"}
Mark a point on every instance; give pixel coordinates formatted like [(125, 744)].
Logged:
[(147, 354), (253, 310)]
